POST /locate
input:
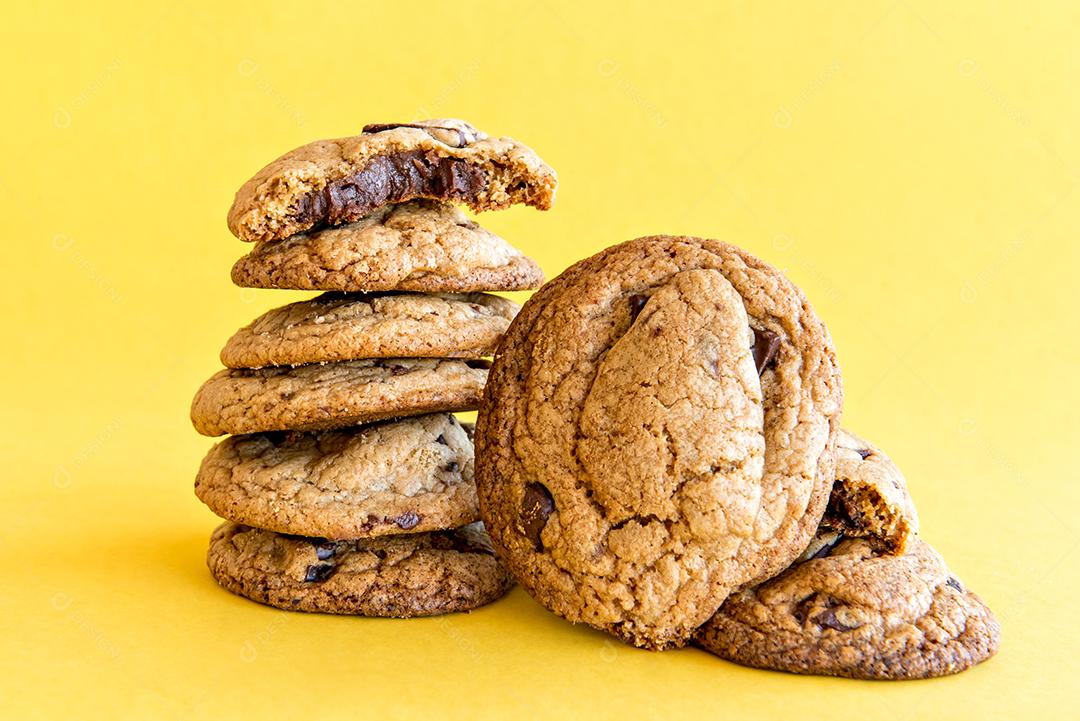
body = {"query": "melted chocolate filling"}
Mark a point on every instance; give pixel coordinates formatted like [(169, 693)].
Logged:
[(393, 178)]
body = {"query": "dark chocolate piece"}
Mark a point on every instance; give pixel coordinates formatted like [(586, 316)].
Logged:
[(386, 179), (766, 346), (407, 520), (536, 505), (637, 302), (828, 619), (318, 572)]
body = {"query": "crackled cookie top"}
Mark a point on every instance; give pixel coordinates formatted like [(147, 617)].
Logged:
[(420, 574), (657, 431), (344, 326), (420, 246), (847, 610), (331, 182), (403, 476), (333, 395), (870, 497)]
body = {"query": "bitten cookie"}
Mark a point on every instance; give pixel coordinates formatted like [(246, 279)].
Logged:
[(404, 476), (334, 395), (339, 326), (331, 182), (845, 610), (870, 497), (420, 246), (420, 574), (657, 430)]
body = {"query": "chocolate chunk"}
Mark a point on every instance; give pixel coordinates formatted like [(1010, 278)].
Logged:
[(766, 346), (637, 302), (441, 440), (864, 453), (324, 549), (801, 610), (452, 467), (393, 178), (407, 520), (536, 505), (828, 619), (397, 370), (954, 582), (839, 514), (318, 572)]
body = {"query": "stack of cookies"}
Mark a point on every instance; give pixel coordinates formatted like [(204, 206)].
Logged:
[(659, 455), (346, 481)]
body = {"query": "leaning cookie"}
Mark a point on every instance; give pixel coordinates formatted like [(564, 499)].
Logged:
[(331, 182), (870, 498), (341, 326), (657, 431), (334, 395), (421, 574), (846, 610), (411, 475), (419, 246)]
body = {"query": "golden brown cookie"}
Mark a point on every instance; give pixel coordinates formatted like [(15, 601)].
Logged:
[(421, 574), (847, 610), (657, 430), (870, 497), (404, 476), (419, 246), (334, 395), (346, 326), (332, 182)]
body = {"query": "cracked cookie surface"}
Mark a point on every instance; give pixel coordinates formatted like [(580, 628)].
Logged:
[(344, 326), (334, 395), (421, 246), (847, 610), (657, 430), (421, 574), (331, 182), (405, 476), (870, 497)]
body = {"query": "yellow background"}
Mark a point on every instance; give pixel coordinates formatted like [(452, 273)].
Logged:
[(911, 166)]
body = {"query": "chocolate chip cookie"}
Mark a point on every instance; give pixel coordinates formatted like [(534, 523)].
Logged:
[(334, 395), (348, 326), (420, 574), (419, 246), (870, 497), (848, 610), (403, 476), (332, 182), (657, 430)]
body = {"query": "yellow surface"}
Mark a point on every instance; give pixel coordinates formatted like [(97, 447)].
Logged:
[(912, 167)]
